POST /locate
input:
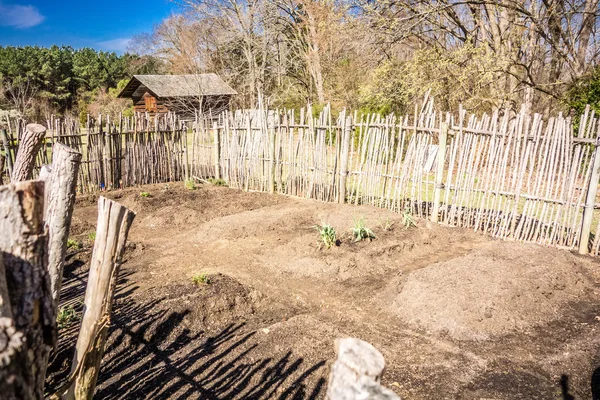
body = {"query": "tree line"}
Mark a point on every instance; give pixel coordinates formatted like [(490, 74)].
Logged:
[(38, 81)]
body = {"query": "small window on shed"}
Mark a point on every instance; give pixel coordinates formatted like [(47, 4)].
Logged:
[(150, 103)]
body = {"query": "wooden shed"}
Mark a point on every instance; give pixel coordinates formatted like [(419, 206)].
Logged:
[(182, 94)]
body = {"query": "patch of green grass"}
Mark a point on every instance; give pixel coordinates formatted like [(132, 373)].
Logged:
[(201, 279), (190, 184), (407, 219), (327, 235), (92, 236), (360, 231), (72, 244), (217, 182), (145, 194), (66, 317)]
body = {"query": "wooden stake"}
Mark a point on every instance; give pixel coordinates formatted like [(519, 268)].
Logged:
[(23, 249), (217, 151), (439, 173), (588, 212), (114, 221), (30, 144), (347, 132), (60, 200)]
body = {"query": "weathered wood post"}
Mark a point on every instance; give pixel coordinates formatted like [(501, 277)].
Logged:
[(30, 145), (344, 153), (217, 151), (114, 221), (59, 196), (7, 154), (271, 159), (357, 372), (23, 248), (590, 201), (439, 172)]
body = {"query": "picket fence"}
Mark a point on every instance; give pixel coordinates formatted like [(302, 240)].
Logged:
[(515, 176)]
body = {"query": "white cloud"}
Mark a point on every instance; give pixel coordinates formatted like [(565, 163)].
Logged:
[(19, 16), (118, 45)]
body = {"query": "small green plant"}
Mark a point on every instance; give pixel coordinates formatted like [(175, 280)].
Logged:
[(327, 235), (145, 194), (190, 184), (201, 279), (217, 182), (92, 236), (407, 218), (66, 317), (72, 244), (360, 230), (386, 224)]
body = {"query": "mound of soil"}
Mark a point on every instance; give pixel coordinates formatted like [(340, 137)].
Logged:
[(500, 288)]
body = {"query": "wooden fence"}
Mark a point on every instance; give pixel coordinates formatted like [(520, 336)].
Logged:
[(116, 154), (513, 176)]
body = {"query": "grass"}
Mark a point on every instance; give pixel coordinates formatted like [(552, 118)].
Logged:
[(327, 235), (360, 231), (201, 279), (217, 182), (66, 317), (145, 194), (72, 244), (92, 236), (190, 184)]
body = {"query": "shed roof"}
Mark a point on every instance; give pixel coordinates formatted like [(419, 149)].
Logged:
[(179, 85)]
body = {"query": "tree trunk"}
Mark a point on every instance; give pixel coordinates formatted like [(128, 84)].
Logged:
[(114, 221), (24, 252), (28, 149), (60, 201)]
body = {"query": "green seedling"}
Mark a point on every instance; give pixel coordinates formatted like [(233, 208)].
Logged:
[(190, 184), (92, 236), (66, 317), (407, 219), (360, 231), (72, 244), (201, 279), (327, 235), (386, 225), (145, 194)]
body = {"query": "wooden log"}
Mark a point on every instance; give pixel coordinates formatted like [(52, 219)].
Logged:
[(23, 248), (347, 132), (114, 221), (588, 212), (30, 144), (60, 193), (439, 172), (357, 372)]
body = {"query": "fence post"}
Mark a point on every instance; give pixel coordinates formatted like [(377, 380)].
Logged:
[(344, 160), (23, 249), (217, 151), (590, 200), (6, 145), (30, 145), (114, 221), (439, 172), (271, 160)]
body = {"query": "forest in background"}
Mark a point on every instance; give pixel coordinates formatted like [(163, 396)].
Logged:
[(375, 56)]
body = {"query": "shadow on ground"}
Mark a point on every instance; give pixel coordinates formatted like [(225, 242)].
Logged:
[(151, 353)]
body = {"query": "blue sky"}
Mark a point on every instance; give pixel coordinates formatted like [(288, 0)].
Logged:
[(103, 25)]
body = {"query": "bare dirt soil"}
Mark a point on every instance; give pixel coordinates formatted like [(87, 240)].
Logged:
[(457, 315)]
